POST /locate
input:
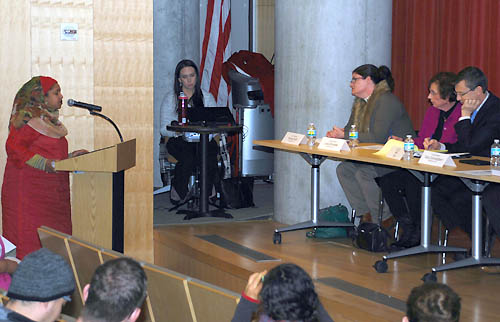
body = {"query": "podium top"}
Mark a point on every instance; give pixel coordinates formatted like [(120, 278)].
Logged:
[(114, 158)]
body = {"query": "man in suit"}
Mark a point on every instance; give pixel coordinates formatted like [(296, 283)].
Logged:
[(476, 129)]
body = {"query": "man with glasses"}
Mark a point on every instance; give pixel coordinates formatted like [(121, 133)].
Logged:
[(476, 129)]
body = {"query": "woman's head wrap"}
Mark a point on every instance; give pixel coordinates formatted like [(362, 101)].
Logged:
[(30, 104)]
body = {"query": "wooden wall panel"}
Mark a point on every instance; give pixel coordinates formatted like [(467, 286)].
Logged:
[(265, 28), (14, 61), (69, 62), (123, 80)]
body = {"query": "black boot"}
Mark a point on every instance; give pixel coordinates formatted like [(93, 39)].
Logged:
[(410, 236)]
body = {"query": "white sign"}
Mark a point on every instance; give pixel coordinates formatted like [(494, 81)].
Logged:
[(69, 31), (293, 138), (436, 159), (332, 144)]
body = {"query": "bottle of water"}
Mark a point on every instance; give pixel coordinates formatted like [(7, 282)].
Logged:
[(183, 108), (495, 153), (311, 134), (353, 136), (409, 147)]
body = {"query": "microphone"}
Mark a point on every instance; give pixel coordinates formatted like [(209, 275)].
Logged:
[(90, 107)]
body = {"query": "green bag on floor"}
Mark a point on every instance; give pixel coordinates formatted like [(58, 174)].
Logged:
[(336, 213)]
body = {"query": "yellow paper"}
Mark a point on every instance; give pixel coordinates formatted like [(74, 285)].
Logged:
[(388, 146)]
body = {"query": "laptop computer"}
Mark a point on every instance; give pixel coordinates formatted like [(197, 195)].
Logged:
[(211, 115)]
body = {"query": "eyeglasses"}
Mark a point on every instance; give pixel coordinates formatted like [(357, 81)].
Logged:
[(464, 93), (354, 79)]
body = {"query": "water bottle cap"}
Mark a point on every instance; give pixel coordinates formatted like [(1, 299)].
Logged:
[(408, 136), (496, 141)]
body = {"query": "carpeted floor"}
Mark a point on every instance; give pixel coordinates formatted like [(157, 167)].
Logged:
[(263, 198)]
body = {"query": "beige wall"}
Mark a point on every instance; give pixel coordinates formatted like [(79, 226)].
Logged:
[(265, 27), (111, 64)]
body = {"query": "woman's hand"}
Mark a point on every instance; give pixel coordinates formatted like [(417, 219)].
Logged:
[(50, 166), (78, 152), (336, 133), (431, 144), (254, 285)]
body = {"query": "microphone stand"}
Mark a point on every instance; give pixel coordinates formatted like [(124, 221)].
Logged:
[(109, 120)]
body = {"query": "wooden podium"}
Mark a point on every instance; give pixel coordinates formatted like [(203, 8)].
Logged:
[(97, 199)]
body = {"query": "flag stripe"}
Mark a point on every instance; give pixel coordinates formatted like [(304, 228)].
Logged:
[(216, 49)]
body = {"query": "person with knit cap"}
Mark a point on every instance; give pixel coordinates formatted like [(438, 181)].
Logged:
[(41, 285), (33, 193)]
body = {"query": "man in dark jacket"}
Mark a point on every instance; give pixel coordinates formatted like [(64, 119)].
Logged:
[(476, 129)]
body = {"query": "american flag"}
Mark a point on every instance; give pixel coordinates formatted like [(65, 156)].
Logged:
[(216, 49)]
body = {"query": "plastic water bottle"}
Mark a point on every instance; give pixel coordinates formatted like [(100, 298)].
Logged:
[(495, 154), (409, 147), (311, 134), (183, 108), (353, 136)]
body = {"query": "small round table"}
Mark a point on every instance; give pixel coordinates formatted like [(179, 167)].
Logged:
[(205, 131)]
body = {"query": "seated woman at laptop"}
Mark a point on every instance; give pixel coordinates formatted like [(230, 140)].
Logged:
[(186, 80)]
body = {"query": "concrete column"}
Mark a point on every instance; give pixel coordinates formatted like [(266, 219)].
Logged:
[(318, 44), (176, 37)]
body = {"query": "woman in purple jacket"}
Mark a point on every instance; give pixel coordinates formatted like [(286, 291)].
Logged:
[(439, 123)]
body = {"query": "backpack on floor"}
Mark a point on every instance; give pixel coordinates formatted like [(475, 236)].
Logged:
[(338, 213), (371, 237)]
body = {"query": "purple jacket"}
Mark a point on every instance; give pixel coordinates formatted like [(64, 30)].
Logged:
[(430, 123)]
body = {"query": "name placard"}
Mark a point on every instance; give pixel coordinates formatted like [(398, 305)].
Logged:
[(436, 159), (332, 144), (293, 138)]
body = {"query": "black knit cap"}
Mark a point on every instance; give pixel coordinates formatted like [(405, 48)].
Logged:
[(42, 276)]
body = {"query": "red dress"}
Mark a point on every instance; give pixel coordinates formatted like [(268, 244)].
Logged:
[(31, 197)]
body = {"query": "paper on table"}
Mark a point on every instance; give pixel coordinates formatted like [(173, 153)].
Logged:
[(371, 147), (388, 146), (477, 172)]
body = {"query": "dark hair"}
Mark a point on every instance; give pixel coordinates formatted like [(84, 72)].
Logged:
[(473, 78), (197, 98), (433, 302), (377, 74), (117, 288), (288, 294), (446, 82)]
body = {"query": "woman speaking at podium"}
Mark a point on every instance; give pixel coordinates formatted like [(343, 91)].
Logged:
[(33, 193), (186, 80)]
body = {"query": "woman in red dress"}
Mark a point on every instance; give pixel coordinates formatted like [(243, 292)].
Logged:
[(33, 193)]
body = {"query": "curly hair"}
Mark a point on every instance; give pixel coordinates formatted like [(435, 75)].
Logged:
[(433, 302), (446, 82), (288, 294)]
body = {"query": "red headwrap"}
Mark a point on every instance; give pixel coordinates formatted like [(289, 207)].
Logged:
[(47, 83)]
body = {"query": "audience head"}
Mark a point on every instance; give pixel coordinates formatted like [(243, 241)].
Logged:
[(365, 77), (187, 79), (471, 84), (116, 292), (288, 294), (432, 302), (42, 283)]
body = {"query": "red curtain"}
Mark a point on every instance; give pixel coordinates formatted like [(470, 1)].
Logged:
[(429, 36)]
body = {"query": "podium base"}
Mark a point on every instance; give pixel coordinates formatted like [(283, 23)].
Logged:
[(190, 214)]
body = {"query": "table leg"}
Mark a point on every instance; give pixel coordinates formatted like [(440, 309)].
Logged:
[(477, 258), (426, 222), (315, 162), (204, 211)]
